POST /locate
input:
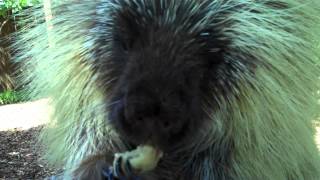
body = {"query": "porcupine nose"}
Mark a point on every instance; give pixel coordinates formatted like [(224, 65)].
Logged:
[(143, 110)]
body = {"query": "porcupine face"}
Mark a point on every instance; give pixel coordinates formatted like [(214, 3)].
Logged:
[(163, 70)]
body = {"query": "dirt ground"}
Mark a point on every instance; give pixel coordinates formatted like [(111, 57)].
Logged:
[(19, 158), (19, 127)]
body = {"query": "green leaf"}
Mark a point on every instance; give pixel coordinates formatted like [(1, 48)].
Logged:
[(15, 5)]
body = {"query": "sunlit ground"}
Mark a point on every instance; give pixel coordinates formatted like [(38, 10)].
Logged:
[(25, 115), (32, 114)]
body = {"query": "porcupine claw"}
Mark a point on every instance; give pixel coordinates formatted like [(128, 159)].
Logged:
[(144, 158)]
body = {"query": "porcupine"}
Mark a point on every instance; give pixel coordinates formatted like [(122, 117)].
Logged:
[(225, 88)]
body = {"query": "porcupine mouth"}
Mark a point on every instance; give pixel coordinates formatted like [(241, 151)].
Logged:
[(144, 158), (165, 144), (146, 155)]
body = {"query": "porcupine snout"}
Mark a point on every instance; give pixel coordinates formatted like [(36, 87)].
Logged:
[(142, 108), (147, 113)]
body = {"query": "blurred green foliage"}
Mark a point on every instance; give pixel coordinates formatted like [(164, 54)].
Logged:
[(10, 97), (15, 5)]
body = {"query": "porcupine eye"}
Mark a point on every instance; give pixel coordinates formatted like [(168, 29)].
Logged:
[(204, 34), (210, 41), (212, 48), (124, 43), (127, 43)]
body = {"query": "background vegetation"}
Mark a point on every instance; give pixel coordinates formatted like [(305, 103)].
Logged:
[(8, 10), (14, 6)]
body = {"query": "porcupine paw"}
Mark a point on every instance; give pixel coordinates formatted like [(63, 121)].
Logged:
[(122, 166), (131, 163)]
